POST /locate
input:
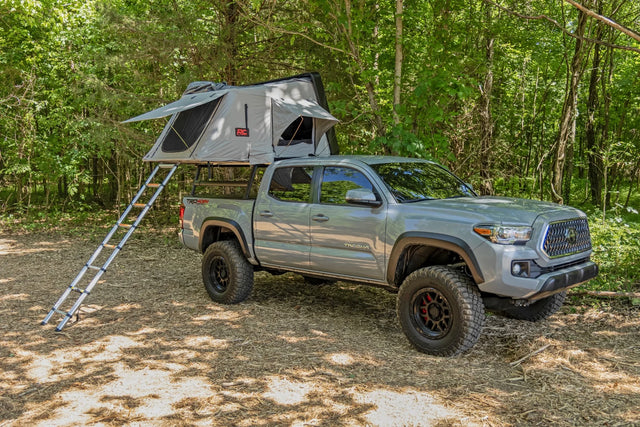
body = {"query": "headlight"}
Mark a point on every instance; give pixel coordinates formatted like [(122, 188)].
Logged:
[(504, 234)]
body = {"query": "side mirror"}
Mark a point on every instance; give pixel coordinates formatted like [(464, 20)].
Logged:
[(361, 196)]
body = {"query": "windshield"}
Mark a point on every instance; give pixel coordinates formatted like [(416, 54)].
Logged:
[(413, 182)]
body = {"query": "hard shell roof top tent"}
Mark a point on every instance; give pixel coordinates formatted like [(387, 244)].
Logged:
[(256, 124)]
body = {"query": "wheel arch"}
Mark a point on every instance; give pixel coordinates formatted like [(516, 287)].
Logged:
[(215, 229), (428, 244)]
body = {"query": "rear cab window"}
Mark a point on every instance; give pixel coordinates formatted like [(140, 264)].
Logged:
[(292, 184)]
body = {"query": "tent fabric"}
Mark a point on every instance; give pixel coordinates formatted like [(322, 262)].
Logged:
[(216, 123), (183, 104)]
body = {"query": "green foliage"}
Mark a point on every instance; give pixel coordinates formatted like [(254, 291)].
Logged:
[(616, 250)]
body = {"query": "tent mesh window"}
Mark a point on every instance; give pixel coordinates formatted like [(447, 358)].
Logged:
[(188, 126), (300, 131)]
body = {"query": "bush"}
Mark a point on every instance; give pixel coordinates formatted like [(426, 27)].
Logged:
[(616, 250)]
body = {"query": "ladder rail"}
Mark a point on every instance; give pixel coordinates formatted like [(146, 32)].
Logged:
[(105, 243)]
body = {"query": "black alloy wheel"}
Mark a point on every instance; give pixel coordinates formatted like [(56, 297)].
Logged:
[(219, 273), (432, 313)]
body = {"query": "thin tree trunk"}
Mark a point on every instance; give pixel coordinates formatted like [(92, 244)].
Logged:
[(568, 116), (397, 77), (593, 148), (486, 120)]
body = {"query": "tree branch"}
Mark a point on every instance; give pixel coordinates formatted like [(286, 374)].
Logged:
[(281, 30), (565, 31), (608, 21)]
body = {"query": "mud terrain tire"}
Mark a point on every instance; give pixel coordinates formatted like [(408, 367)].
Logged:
[(440, 311), (226, 273), (538, 310)]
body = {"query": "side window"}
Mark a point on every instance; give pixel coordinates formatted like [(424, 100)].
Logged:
[(336, 181), (292, 184)]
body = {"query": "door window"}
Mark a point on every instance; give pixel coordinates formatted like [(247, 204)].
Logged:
[(336, 181)]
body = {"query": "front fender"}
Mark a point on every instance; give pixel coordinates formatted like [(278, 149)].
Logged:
[(435, 240)]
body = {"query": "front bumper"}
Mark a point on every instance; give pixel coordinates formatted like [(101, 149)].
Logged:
[(564, 279), (556, 278)]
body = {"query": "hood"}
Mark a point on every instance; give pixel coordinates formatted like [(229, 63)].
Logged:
[(505, 210)]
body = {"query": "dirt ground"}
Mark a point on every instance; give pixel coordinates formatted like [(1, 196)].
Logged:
[(150, 348)]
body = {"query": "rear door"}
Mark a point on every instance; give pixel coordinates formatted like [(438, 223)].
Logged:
[(347, 239), (281, 219)]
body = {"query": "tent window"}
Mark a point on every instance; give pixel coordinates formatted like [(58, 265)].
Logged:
[(300, 131), (188, 126)]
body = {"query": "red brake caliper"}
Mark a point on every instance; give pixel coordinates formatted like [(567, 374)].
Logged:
[(424, 307)]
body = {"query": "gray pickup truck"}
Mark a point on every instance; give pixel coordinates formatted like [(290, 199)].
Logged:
[(405, 224)]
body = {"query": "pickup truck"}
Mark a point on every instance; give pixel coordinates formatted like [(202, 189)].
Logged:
[(408, 225)]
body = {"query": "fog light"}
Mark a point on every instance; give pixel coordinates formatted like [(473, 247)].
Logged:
[(520, 268)]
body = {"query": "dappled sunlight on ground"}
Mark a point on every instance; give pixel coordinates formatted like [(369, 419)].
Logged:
[(406, 407), (150, 348)]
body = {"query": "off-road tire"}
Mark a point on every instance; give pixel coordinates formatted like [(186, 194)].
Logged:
[(226, 273), (538, 310), (440, 311)]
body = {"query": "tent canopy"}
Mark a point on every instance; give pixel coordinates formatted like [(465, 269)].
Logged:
[(217, 123)]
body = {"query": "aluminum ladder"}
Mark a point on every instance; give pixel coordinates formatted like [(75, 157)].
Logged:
[(127, 228)]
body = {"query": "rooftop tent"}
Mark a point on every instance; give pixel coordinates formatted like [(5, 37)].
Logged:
[(217, 123)]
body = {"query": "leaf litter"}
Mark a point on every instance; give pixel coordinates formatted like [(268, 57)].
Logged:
[(149, 347)]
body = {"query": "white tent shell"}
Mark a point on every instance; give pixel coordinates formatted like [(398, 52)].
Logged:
[(256, 124)]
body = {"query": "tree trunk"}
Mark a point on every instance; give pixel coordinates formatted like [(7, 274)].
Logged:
[(486, 120), (397, 76), (567, 119), (593, 148), (230, 41)]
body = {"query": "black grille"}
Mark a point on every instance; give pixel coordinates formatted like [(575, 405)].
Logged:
[(567, 237)]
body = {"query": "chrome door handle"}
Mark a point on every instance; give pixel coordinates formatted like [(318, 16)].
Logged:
[(320, 218), (267, 214)]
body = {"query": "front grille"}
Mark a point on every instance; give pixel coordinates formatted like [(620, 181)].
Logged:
[(567, 237)]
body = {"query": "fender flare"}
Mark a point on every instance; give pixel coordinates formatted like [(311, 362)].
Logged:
[(228, 224), (436, 240)]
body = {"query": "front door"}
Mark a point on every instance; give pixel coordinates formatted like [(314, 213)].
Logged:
[(347, 239)]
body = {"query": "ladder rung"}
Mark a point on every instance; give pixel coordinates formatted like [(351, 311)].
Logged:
[(108, 246), (78, 290), (62, 312), (166, 165), (153, 184), (94, 267), (139, 205), (123, 225)]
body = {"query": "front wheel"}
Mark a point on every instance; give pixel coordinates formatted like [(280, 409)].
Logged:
[(440, 311), (538, 310), (226, 273)]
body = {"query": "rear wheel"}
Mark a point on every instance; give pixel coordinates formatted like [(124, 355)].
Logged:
[(440, 311), (227, 275), (538, 310)]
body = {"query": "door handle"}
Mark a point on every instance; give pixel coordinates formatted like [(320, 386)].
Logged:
[(320, 218), (267, 214)]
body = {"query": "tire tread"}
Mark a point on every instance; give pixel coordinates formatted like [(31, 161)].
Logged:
[(472, 309), (239, 268)]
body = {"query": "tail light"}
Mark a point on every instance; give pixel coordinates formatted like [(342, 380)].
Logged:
[(181, 217)]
